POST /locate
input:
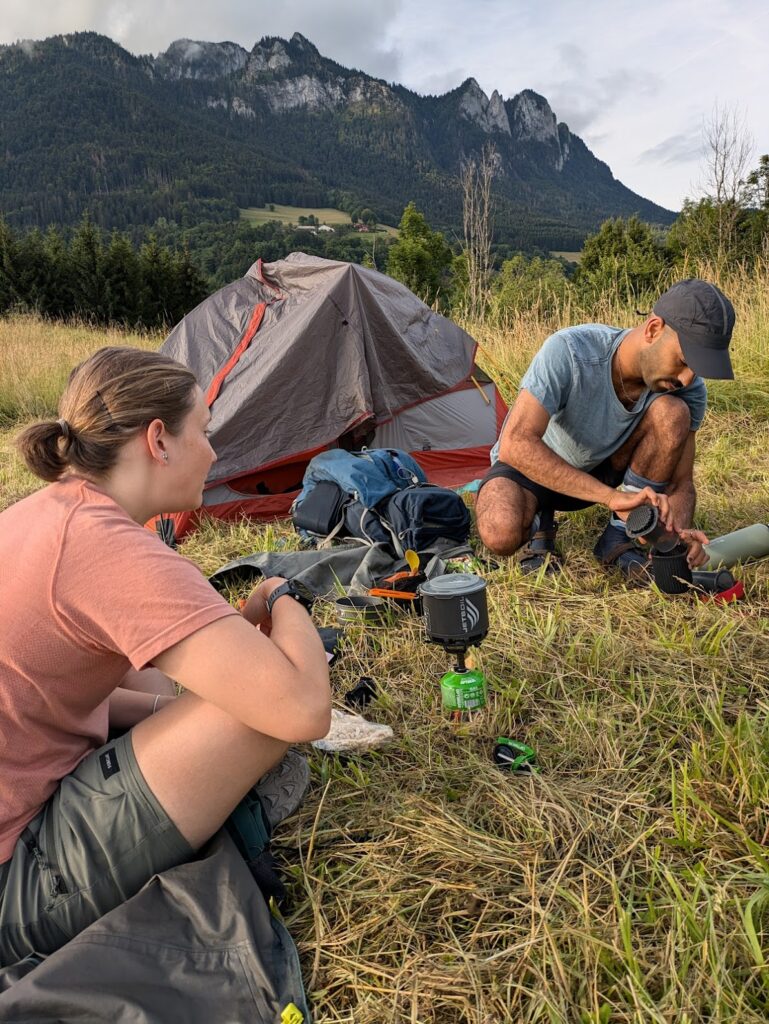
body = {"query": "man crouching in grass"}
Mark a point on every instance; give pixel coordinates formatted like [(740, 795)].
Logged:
[(602, 408)]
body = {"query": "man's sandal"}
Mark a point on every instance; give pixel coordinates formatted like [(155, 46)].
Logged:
[(540, 549), (614, 549)]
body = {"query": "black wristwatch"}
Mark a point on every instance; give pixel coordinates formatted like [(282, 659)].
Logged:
[(294, 588)]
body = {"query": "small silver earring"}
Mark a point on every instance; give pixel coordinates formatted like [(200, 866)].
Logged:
[(165, 455)]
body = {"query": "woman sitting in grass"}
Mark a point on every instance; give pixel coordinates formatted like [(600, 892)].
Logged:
[(98, 617)]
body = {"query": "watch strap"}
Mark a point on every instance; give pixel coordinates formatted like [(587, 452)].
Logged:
[(284, 588), (288, 588)]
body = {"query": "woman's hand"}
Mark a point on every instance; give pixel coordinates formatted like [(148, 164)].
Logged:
[(255, 608), (694, 540)]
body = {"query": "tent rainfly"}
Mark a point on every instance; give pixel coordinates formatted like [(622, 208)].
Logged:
[(306, 354)]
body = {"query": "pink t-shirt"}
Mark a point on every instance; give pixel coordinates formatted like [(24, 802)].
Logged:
[(85, 593)]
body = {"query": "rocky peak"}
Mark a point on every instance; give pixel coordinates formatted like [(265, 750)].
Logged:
[(302, 43), (497, 114), (488, 114), (371, 96), (293, 75), (269, 54), (188, 58), (532, 119)]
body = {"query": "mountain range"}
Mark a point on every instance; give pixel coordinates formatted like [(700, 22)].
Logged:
[(205, 129)]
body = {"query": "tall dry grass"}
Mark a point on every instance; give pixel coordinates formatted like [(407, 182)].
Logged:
[(36, 357), (628, 881)]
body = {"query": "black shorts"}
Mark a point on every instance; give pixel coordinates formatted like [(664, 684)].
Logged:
[(547, 499)]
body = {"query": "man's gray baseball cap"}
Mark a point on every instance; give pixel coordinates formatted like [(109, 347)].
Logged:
[(703, 318)]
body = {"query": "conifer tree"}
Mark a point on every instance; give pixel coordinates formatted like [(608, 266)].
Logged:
[(188, 286), (86, 257), (57, 291), (31, 271), (9, 295), (122, 281), (157, 284)]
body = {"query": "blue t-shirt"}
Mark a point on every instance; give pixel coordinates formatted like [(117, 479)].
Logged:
[(571, 377)]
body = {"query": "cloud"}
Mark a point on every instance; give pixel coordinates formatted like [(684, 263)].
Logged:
[(354, 34), (681, 148), (594, 140), (441, 82), (580, 97)]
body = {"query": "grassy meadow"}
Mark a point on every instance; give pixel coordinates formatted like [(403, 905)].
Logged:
[(257, 215), (628, 881)]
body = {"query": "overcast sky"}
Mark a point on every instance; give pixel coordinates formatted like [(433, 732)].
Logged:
[(635, 80)]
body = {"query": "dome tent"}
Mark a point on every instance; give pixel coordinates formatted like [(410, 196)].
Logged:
[(306, 354)]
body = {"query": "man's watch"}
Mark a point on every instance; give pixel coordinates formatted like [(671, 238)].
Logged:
[(294, 588)]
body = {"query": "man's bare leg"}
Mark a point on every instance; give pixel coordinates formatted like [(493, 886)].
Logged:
[(654, 448), (504, 513), (649, 457)]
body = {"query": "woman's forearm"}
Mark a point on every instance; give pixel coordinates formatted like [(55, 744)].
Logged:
[(128, 707)]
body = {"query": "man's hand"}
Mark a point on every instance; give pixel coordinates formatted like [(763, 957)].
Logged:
[(694, 539), (255, 608), (622, 502)]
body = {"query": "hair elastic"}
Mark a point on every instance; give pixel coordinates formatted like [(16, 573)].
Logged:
[(66, 431)]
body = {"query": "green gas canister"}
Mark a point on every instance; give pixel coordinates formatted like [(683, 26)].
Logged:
[(463, 690)]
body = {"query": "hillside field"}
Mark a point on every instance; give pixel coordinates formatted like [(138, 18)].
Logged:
[(572, 257), (291, 214), (626, 881)]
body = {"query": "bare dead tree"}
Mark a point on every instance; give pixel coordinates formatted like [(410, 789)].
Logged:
[(727, 149), (476, 176)]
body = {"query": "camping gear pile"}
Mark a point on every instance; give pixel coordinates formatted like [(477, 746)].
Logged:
[(377, 496)]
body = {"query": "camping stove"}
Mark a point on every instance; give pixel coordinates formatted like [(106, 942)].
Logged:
[(457, 618)]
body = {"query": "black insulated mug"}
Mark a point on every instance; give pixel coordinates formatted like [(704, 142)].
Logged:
[(671, 570), (455, 610)]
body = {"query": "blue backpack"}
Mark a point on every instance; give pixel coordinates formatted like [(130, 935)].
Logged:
[(378, 496)]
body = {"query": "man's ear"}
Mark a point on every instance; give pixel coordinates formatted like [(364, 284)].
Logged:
[(653, 328)]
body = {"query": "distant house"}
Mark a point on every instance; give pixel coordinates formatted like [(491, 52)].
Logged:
[(325, 227), (306, 227), (362, 227)]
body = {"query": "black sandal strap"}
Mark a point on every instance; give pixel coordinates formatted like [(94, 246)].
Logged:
[(619, 549)]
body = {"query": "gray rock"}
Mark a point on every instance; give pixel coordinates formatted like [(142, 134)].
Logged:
[(267, 58), (188, 58), (534, 121), (489, 114), (303, 91)]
